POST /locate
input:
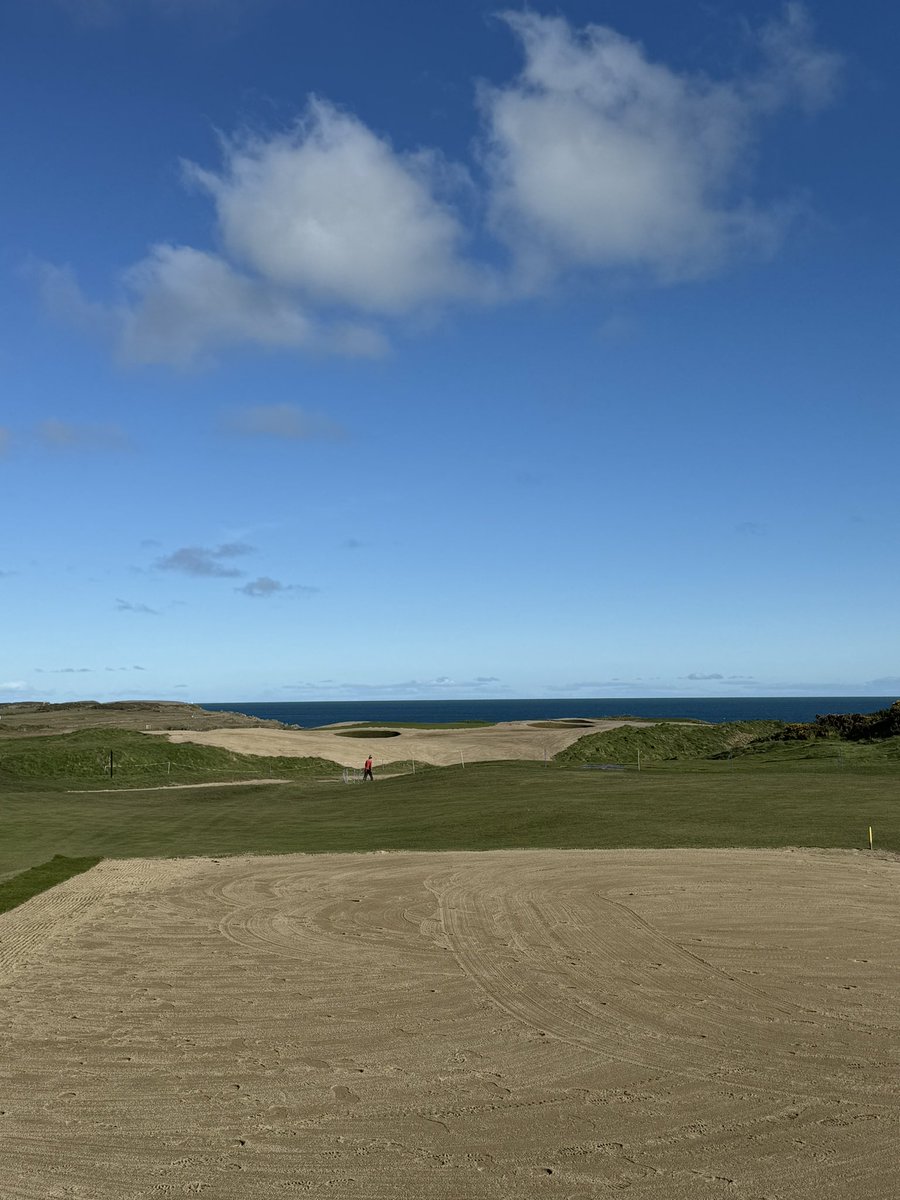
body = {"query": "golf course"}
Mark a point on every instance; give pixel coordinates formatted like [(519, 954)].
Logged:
[(535, 958)]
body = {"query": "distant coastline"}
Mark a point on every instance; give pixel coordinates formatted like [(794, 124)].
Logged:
[(314, 713)]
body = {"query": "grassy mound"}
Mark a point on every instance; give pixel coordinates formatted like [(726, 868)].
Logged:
[(664, 742), (83, 758)]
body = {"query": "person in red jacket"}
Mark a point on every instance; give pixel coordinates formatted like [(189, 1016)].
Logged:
[(367, 770)]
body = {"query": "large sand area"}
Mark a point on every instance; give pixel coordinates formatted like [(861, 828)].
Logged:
[(513, 1024), (443, 747)]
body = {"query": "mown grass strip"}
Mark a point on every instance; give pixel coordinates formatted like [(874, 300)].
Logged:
[(23, 886)]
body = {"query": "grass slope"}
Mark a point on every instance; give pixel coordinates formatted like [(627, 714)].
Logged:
[(82, 759), (28, 883), (664, 741)]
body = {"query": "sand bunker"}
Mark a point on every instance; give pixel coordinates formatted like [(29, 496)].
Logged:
[(526, 1024), (439, 747)]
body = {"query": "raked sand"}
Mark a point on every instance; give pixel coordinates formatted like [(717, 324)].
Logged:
[(496, 1026), (439, 747)]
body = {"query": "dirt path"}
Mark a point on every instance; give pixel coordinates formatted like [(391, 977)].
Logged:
[(439, 747), (173, 787), (518, 1024)]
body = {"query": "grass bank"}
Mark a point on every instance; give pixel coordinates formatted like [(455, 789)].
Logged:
[(119, 757), (29, 883)]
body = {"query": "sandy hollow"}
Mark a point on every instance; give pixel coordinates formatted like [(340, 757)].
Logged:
[(439, 747), (518, 1024)]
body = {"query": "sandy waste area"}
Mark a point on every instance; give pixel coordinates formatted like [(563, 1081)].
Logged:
[(664, 1024), (439, 747)]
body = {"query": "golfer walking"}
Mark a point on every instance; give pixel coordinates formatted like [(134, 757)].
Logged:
[(367, 770)]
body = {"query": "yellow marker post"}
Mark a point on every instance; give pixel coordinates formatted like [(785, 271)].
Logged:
[(870, 837)]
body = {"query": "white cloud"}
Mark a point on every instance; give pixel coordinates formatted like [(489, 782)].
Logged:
[(594, 159), (180, 305), (796, 69), (185, 303), (600, 158), (331, 210)]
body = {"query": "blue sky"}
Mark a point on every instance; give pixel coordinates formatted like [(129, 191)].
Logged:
[(430, 349)]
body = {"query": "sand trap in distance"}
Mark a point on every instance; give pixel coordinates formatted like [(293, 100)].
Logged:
[(439, 747)]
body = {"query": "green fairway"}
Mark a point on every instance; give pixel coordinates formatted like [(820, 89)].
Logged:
[(484, 806)]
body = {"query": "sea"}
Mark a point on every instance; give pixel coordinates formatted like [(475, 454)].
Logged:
[(310, 714)]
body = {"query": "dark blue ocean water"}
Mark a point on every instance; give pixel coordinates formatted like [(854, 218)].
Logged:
[(309, 714)]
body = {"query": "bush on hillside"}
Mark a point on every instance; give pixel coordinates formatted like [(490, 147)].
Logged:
[(852, 727)]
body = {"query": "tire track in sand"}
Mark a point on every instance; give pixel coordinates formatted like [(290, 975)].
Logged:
[(27, 930), (575, 965)]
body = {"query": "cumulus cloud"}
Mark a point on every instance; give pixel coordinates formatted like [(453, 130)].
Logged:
[(332, 210), (180, 305), (698, 675), (594, 159), (600, 158), (184, 304), (14, 685), (200, 560), (284, 421), (264, 588)]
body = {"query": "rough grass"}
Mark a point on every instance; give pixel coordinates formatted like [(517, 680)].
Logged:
[(28, 883), (666, 741), (83, 757)]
